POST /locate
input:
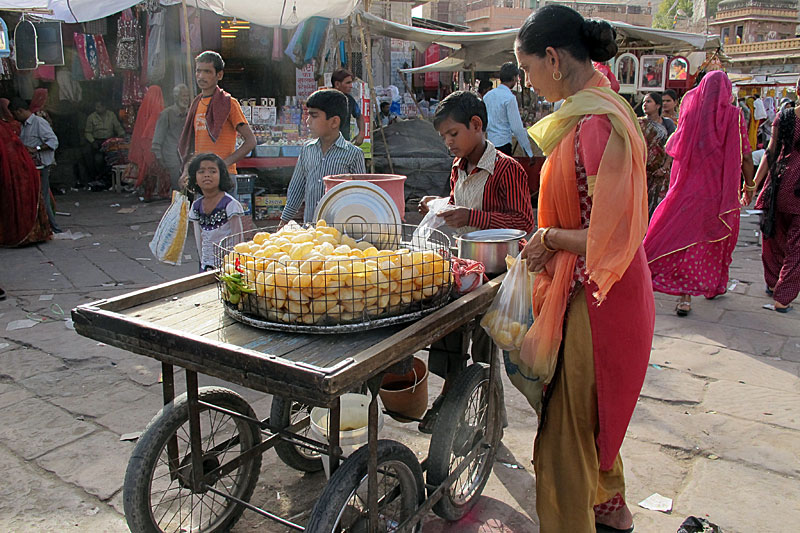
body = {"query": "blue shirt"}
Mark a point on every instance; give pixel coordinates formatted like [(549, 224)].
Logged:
[(343, 157), (36, 131), (504, 120)]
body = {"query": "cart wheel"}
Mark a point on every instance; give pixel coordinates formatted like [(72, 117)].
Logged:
[(343, 504), (158, 498), (283, 414), (462, 424)]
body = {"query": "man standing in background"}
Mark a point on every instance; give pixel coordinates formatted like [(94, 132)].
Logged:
[(504, 120), (100, 126), (41, 142), (342, 80), (168, 132)]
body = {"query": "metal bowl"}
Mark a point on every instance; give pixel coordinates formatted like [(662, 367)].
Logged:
[(490, 247)]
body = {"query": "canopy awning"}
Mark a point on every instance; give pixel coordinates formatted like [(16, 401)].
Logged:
[(261, 12), (489, 50)]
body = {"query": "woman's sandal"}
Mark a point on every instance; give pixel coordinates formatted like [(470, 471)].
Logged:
[(683, 308), (773, 307), (603, 528)]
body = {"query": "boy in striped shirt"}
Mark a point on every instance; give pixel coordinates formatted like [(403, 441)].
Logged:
[(328, 154), (488, 189)]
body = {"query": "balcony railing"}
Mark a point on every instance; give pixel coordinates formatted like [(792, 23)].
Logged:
[(781, 45)]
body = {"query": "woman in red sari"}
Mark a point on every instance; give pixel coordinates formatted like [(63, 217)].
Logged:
[(24, 217), (151, 175)]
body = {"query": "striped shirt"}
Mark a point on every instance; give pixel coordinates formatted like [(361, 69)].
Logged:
[(506, 196), (306, 185)]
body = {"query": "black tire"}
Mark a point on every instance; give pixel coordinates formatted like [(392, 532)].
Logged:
[(283, 413), (145, 508), (461, 424), (342, 506)]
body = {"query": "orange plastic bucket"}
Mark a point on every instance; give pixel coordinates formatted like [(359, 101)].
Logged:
[(393, 184), (406, 395)]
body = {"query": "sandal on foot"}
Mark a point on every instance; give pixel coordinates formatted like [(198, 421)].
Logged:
[(602, 528), (769, 291), (683, 308), (772, 307), (2, 294)]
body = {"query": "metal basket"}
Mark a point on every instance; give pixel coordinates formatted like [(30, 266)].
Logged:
[(346, 294)]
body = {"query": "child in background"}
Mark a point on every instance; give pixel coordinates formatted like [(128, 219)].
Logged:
[(328, 154), (216, 214)]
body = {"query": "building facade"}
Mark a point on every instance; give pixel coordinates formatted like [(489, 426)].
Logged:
[(754, 21)]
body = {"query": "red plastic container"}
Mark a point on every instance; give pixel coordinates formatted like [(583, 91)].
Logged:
[(393, 184)]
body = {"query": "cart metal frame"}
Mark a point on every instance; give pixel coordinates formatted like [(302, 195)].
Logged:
[(183, 323)]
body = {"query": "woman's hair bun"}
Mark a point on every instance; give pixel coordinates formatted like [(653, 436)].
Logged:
[(600, 39)]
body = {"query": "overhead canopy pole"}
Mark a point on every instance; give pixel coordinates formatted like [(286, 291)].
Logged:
[(188, 47)]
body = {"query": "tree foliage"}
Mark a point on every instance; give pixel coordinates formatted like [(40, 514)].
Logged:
[(667, 10)]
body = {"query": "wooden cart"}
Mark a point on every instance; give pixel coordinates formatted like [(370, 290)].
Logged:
[(197, 463)]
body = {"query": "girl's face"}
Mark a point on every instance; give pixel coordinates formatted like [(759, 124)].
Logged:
[(208, 176), (649, 105), (667, 104)]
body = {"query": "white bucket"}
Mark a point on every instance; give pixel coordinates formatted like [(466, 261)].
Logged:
[(353, 421)]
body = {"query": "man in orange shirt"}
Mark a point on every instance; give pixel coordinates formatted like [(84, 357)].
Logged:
[(214, 118)]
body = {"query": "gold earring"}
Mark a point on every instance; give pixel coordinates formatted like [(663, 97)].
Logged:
[(559, 75)]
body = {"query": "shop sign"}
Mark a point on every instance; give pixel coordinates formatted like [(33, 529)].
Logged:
[(304, 82)]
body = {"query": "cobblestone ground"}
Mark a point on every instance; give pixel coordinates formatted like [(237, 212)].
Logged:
[(716, 429)]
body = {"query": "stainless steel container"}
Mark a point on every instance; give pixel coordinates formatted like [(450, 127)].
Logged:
[(490, 247)]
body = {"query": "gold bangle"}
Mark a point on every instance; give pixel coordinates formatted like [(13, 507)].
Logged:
[(749, 188), (544, 244)]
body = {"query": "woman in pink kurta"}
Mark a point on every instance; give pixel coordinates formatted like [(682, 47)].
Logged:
[(690, 240)]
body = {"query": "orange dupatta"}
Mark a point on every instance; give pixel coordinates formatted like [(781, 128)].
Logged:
[(618, 219)]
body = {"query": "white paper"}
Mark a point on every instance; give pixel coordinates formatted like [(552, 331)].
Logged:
[(4, 345), (20, 324), (45, 297), (657, 502)]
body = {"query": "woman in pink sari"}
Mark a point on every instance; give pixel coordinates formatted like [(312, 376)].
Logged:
[(690, 240)]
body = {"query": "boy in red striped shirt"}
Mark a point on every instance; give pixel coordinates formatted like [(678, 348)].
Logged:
[(488, 189)]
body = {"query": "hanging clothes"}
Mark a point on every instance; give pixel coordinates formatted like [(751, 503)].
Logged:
[(156, 46), (132, 89), (128, 41), (195, 32), (277, 44)]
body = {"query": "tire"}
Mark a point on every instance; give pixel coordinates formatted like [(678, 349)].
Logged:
[(342, 506), (462, 421), (148, 480), (283, 413)]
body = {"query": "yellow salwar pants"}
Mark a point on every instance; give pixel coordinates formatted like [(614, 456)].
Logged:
[(569, 482)]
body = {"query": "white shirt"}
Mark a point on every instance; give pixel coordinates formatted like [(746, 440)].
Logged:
[(504, 120), (759, 113)]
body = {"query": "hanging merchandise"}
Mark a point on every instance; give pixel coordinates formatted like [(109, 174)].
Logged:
[(156, 46), (5, 42), (93, 56), (132, 89), (195, 33), (128, 41), (277, 44), (295, 49), (27, 53)]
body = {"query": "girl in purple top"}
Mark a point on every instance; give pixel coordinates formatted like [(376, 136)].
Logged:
[(216, 214)]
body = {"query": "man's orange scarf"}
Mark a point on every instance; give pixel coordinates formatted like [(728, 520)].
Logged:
[(619, 211)]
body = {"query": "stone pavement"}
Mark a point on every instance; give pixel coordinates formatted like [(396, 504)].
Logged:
[(717, 427)]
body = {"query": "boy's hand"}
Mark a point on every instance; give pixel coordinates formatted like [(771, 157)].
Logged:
[(423, 204), (183, 181), (359, 140), (456, 217)]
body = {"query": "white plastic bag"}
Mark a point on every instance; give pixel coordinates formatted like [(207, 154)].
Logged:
[(430, 222), (170, 237), (507, 319)]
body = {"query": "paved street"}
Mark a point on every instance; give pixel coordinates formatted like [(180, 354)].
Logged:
[(717, 428)]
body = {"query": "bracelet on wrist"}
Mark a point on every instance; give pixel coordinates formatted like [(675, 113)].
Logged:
[(749, 187), (544, 242)]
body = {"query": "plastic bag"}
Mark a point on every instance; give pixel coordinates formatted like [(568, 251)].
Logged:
[(507, 319), (430, 221), (170, 237)]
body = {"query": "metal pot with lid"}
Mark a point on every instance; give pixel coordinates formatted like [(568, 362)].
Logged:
[(490, 247)]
